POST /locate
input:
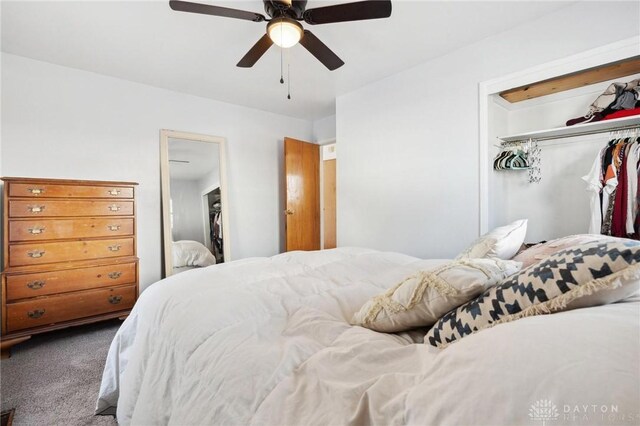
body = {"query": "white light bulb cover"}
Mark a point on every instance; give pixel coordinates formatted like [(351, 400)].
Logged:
[(285, 32)]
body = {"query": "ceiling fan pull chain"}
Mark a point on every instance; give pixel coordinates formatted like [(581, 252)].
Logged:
[(288, 80), (281, 60)]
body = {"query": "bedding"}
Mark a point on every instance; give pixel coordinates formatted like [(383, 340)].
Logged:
[(191, 253), (181, 269), (268, 341)]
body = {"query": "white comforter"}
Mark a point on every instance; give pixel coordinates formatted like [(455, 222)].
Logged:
[(268, 341)]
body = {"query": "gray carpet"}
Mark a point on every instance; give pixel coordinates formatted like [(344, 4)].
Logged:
[(54, 378)]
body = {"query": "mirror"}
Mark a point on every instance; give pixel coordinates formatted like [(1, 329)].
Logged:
[(194, 201)]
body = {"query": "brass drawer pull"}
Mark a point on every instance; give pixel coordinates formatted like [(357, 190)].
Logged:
[(36, 285), (36, 230), (35, 314), (114, 300), (36, 209), (35, 254), (114, 207), (113, 227), (114, 192), (36, 191), (115, 275), (115, 247)]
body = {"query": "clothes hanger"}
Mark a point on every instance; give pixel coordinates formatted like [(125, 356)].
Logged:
[(497, 162), (520, 161)]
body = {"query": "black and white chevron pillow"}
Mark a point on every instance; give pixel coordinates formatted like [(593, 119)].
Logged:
[(584, 275)]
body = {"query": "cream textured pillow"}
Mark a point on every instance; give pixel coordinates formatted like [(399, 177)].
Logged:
[(503, 242), (424, 297)]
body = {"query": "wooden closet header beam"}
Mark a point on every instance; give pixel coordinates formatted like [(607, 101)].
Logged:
[(574, 80)]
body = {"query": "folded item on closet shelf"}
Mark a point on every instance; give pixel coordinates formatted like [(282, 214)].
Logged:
[(626, 100), (617, 96), (586, 119), (611, 95), (623, 113)]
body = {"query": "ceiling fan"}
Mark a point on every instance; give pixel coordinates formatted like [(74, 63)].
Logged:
[(284, 28)]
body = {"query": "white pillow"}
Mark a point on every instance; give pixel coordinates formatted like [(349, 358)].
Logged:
[(191, 253), (502, 243), (420, 300)]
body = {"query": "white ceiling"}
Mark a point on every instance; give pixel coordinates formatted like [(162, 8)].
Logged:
[(203, 158), (147, 42)]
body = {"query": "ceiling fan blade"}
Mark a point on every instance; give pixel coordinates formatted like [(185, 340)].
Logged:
[(206, 9), (320, 51), (256, 52), (370, 9)]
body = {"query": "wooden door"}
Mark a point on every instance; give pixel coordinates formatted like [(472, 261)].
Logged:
[(329, 203), (302, 172)]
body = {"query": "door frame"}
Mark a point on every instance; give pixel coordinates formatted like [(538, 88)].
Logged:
[(205, 214), (330, 141)]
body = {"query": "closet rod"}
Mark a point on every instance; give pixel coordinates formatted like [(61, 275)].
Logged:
[(571, 135), (578, 130)]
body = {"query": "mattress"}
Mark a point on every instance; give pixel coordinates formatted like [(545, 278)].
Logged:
[(268, 341)]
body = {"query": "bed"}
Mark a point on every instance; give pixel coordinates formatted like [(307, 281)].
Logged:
[(189, 254), (269, 341)]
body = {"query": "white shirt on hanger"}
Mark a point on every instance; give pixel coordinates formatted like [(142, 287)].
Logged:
[(594, 185)]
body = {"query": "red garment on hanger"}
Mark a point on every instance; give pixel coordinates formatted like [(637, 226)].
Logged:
[(619, 220)]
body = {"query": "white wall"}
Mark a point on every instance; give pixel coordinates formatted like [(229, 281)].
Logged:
[(187, 210), (408, 175), (324, 129), (60, 122), (210, 181)]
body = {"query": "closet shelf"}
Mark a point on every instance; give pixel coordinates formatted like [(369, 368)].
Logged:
[(577, 130)]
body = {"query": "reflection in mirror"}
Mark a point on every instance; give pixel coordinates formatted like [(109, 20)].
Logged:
[(194, 228)]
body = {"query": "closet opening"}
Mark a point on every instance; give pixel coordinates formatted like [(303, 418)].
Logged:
[(536, 157), (212, 202)]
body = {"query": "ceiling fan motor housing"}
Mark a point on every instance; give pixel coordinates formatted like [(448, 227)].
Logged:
[(282, 8)]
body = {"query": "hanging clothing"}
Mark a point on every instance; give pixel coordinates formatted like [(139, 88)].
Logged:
[(619, 215), (614, 184), (632, 178), (594, 186), (610, 185)]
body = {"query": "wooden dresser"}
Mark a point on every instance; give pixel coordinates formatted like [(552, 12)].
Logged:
[(69, 254)]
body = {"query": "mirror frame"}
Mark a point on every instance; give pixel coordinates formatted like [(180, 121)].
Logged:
[(165, 135)]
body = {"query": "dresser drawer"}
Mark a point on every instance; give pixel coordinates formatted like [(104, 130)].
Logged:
[(49, 190), (60, 229), (40, 253), (40, 208), (46, 283), (55, 309)]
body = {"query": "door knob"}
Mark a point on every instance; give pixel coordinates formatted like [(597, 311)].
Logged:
[(288, 211)]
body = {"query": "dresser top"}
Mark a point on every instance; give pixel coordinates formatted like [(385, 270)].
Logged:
[(67, 181)]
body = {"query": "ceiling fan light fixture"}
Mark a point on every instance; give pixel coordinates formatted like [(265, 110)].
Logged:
[(285, 32)]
